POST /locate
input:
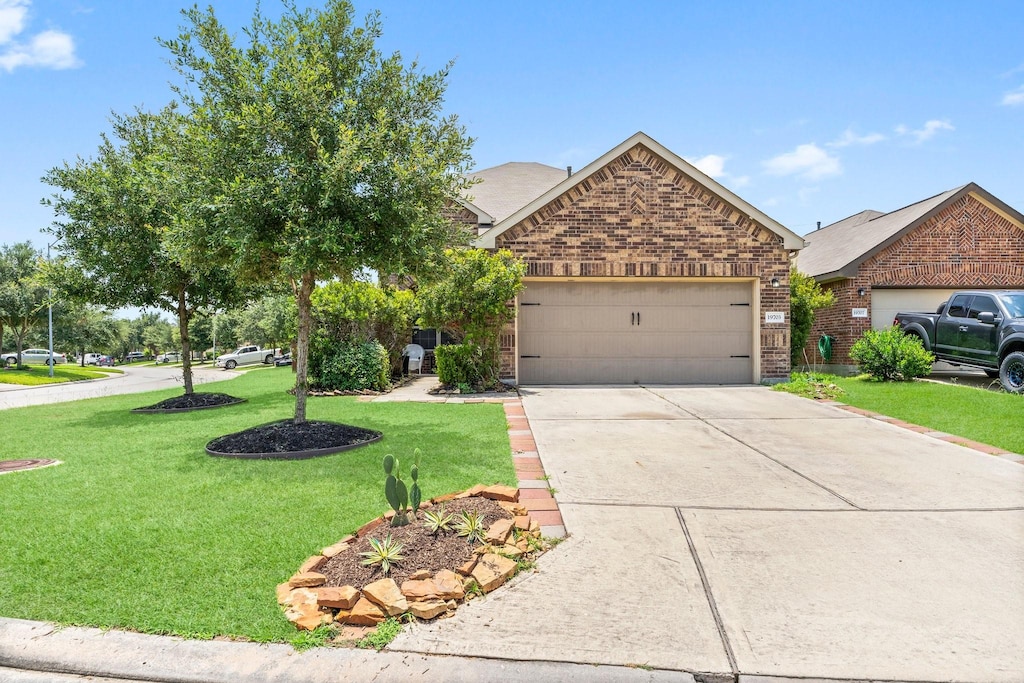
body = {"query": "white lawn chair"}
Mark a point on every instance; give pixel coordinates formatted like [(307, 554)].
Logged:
[(415, 355)]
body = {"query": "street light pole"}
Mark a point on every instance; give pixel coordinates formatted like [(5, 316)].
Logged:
[(49, 310)]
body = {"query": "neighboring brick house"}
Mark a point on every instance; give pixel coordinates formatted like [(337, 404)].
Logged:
[(641, 269), (909, 260)]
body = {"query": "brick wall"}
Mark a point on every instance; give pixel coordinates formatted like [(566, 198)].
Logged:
[(640, 217), (966, 245)]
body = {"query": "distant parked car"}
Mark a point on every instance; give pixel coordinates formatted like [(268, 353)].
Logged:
[(104, 361), (283, 359), (169, 357), (245, 355), (34, 356), (91, 358), (134, 356)]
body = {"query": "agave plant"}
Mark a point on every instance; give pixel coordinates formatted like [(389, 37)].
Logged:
[(470, 525), (437, 520), (385, 552)]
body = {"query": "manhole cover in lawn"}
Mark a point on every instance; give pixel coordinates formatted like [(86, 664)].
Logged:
[(16, 465)]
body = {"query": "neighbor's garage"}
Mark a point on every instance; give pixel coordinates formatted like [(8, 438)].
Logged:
[(886, 303), (627, 332)]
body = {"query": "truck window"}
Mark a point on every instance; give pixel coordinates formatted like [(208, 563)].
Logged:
[(958, 306), (1014, 304), (981, 304)]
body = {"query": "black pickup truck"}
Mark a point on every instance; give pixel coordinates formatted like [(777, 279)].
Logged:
[(982, 329)]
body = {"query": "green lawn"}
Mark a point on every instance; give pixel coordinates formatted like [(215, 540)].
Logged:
[(32, 375), (990, 417), (140, 529)]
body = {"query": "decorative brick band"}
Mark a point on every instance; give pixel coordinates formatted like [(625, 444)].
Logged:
[(534, 492)]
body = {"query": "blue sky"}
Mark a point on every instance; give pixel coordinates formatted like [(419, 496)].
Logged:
[(811, 111)]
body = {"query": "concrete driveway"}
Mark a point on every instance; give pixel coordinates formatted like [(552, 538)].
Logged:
[(748, 534)]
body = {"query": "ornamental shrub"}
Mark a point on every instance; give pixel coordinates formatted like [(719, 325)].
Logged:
[(459, 364), (890, 355), (805, 297), (351, 365)]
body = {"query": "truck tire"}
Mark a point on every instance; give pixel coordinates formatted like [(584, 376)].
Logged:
[(1011, 372), (230, 365), (269, 360)]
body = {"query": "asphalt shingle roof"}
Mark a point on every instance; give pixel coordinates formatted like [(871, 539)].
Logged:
[(507, 188), (846, 242)]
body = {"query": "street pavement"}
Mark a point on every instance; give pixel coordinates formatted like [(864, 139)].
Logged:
[(715, 535), (135, 379)]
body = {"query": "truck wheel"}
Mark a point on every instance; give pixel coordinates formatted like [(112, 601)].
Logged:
[(269, 360), (1011, 372), (231, 365), (11, 362)]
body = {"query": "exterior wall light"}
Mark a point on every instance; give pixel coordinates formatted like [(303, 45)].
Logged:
[(775, 282), (861, 291)]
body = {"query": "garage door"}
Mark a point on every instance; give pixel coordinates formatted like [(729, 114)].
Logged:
[(886, 303), (644, 332)]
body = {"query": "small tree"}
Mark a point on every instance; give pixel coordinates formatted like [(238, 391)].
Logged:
[(23, 294), (805, 297), (330, 158), (475, 301)]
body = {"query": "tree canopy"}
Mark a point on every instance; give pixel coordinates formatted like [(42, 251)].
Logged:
[(328, 157)]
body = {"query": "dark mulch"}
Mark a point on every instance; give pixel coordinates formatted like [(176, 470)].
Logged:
[(420, 549), (195, 401), (287, 438)]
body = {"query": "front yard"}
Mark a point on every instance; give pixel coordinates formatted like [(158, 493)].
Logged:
[(140, 529), (989, 417)]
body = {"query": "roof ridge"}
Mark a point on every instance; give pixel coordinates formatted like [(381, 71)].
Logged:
[(926, 199)]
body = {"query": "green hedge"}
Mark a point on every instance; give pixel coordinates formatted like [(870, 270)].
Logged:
[(348, 365), (459, 364)]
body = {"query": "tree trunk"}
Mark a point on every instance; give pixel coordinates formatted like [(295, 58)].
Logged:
[(186, 346), (302, 300)]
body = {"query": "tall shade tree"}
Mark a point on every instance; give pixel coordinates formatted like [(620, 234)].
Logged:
[(87, 328), (23, 294), (121, 216), (331, 157)]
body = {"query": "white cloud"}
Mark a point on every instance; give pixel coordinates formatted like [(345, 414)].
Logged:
[(927, 132), (711, 164), (1014, 97), (850, 138), (807, 161), (48, 49), (12, 18)]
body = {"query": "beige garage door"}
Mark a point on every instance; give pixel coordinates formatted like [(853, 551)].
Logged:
[(886, 303), (636, 332)]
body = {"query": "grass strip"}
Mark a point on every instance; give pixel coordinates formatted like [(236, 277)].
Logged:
[(989, 417), (37, 375)]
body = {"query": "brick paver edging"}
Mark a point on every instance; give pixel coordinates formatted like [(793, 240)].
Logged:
[(927, 431), (534, 492)]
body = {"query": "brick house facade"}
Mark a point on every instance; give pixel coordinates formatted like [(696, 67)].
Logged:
[(640, 214), (964, 239)]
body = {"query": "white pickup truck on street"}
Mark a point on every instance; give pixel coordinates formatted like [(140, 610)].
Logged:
[(245, 355)]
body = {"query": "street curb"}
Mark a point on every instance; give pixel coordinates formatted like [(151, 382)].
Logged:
[(42, 647)]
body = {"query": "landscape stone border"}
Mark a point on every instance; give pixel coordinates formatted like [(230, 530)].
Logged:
[(308, 603), (188, 410)]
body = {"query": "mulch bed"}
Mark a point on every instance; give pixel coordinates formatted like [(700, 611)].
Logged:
[(186, 402), (287, 440), (29, 464), (420, 548)]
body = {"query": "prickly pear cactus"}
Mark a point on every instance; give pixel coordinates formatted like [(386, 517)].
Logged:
[(415, 494), (395, 491)]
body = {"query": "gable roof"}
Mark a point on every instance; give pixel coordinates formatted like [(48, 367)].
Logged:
[(503, 189), (487, 240), (837, 250)]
